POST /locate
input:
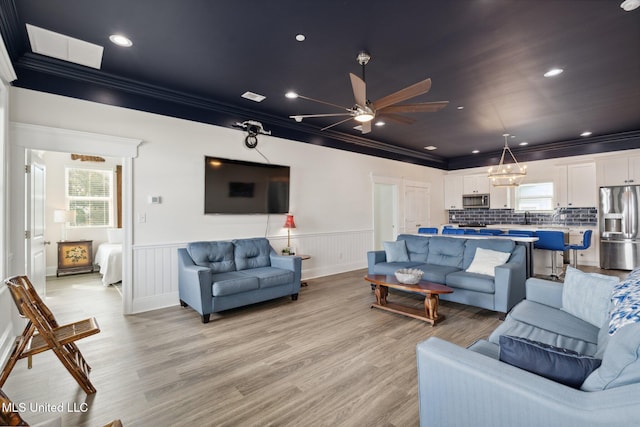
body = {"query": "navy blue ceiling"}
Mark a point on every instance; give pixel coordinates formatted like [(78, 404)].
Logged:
[(194, 58)]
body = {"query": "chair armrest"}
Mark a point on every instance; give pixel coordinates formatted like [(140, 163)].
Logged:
[(194, 283), (459, 387), (289, 262), (544, 292), (510, 281), (373, 258)]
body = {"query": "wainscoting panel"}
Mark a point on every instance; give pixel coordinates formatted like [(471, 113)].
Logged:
[(10, 324), (155, 267)]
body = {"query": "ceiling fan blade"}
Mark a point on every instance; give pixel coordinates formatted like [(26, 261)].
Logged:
[(359, 89), (322, 102), (426, 107), (336, 124), (403, 94), (396, 117), (306, 116)]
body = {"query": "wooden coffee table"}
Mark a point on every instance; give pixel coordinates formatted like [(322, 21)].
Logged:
[(430, 291)]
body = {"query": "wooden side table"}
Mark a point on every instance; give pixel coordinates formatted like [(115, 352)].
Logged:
[(75, 257)]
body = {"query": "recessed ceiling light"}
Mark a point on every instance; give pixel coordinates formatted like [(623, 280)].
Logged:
[(300, 37), (553, 72), (380, 123), (629, 5), (430, 147), (291, 95), (475, 151), (460, 107), (524, 143), (586, 133), (120, 40), (253, 96)]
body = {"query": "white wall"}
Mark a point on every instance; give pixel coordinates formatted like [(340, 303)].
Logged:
[(331, 190)]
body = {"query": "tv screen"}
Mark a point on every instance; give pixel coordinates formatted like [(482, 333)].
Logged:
[(238, 187)]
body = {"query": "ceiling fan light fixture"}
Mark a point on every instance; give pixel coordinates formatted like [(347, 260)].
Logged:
[(507, 175), (291, 95), (364, 117)]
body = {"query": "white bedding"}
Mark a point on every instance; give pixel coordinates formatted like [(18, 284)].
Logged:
[(109, 258)]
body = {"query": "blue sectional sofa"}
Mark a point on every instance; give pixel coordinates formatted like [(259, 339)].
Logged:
[(445, 260), (218, 275), (477, 386)]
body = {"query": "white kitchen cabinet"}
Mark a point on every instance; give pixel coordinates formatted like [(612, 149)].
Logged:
[(620, 170), (475, 184), (575, 186), (453, 191), (499, 198)]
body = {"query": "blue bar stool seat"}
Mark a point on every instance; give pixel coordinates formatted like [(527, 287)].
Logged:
[(427, 230), (551, 241), (490, 231), (586, 243), (452, 231)]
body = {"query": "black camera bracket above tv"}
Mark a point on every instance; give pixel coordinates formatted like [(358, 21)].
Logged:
[(253, 128)]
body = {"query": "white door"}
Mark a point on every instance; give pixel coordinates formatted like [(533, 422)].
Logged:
[(416, 208), (384, 214), (35, 220)]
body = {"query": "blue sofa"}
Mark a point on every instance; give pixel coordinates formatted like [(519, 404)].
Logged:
[(472, 386), (218, 275), (445, 259)]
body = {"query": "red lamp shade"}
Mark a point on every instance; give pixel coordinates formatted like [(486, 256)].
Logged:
[(289, 222)]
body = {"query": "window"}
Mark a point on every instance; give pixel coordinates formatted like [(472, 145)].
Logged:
[(89, 196), (535, 197)]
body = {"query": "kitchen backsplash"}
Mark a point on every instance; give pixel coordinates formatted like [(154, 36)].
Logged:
[(561, 216)]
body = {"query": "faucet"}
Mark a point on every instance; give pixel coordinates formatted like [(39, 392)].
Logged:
[(526, 217)]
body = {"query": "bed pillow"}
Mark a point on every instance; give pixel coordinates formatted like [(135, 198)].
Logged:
[(587, 296), (486, 260), (396, 251), (558, 364), (115, 235)]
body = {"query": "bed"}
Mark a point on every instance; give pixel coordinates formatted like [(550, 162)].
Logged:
[(109, 257)]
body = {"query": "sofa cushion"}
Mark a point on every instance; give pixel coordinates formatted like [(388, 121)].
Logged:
[(252, 253), (549, 325), (396, 251), (558, 364), (233, 282), (436, 273), (446, 251), (486, 260), (218, 256), (417, 247), (391, 267), (620, 361), (587, 295), (499, 245), (269, 277), (471, 281)]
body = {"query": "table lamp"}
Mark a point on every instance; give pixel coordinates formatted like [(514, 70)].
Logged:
[(289, 223)]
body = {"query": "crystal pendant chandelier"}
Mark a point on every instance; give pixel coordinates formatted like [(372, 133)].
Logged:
[(509, 175)]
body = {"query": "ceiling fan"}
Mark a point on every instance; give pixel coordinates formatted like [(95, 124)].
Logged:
[(364, 111)]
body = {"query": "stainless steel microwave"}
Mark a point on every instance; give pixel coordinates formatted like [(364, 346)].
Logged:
[(475, 201)]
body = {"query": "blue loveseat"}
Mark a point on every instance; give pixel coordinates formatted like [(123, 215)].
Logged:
[(218, 275), (476, 386), (445, 260)]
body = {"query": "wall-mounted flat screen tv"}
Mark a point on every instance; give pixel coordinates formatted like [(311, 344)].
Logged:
[(239, 187)]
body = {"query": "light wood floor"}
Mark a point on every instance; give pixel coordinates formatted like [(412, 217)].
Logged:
[(324, 360)]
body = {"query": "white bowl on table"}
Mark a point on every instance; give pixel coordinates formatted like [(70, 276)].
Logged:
[(409, 276)]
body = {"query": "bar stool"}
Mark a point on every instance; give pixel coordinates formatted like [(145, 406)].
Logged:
[(490, 231), (427, 230), (551, 241), (525, 233), (470, 231), (452, 231), (586, 242)]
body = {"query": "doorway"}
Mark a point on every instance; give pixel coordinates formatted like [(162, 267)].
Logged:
[(385, 212), (24, 137)]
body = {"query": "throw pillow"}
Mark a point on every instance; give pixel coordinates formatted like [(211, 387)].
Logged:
[(396, 251), (558, 364), (486, 260), (587, 296), (626, 302)]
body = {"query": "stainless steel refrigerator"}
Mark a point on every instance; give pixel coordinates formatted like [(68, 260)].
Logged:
[(619, 221)]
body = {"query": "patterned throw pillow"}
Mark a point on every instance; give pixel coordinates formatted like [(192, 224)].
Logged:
[(626, 302)]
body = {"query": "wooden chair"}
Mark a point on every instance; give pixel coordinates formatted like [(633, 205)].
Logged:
[(43, 333)]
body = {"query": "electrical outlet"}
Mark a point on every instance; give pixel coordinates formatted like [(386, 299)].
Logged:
[(142, 218), (563, 216), (453, 216)]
